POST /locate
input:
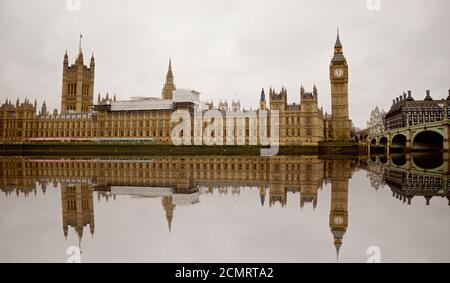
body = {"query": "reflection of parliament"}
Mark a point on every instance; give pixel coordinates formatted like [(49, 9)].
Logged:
[(149, 119), (180, 181)]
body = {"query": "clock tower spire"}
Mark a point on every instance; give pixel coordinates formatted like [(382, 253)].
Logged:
[(340, 122)]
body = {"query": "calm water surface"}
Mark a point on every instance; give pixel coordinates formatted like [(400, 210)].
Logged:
[(224, 209)]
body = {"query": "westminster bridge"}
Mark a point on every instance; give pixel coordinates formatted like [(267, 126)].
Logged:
[(427, 136)]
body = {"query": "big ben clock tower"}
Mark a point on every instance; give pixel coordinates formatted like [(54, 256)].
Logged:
[(340, 121)]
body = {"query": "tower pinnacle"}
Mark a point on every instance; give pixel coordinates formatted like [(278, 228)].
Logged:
[(79, 48), (338, 40), (169, 86)]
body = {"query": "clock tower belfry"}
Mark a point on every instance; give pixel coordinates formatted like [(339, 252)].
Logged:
[(340, 122)]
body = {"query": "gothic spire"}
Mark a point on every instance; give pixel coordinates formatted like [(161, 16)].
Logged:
[(79, 48), (338, 54), (338, 248), (169, 86), (338, 41), (80, 52), (170, 65), (66, 58)]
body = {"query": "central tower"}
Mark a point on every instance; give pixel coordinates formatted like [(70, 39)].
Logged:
[(169, 86), (340, 122)]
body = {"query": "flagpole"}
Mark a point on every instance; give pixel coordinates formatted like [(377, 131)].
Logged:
[(81, 36)]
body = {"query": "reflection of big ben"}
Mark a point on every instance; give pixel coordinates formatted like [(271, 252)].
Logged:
[(340, 174), (169, 207), (77, 208), (340, 122)]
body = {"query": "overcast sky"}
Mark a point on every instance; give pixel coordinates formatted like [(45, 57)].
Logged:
[(224, 48)]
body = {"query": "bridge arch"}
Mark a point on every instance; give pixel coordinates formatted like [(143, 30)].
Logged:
[(399, 140), (373, 142), (398, 143), (428, 140), (383, 144), (399, 160), (427, 161), (373, 145), (383, 159)]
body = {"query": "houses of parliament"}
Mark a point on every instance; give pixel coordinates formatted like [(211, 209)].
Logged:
[(148, 119)]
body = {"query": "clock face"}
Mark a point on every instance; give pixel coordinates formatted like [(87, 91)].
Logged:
[(339, 73), (338, 220)]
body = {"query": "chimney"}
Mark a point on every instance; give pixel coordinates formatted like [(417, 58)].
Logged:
[(428, 97), (410, 98)]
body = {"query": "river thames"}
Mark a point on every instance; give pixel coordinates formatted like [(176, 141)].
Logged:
[(225, 209)]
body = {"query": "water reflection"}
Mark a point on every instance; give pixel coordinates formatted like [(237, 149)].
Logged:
[(181, 181), (412, 175)]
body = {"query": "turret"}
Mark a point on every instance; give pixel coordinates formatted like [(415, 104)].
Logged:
[(262, 101), (236, 105), (278, 101), (169, 86), (66, 61), (308, 96), (44, 109), (223, 105), (209, 105), (92, 62)]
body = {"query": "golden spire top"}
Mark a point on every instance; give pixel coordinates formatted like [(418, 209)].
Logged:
[(338, 40), (169, 71)]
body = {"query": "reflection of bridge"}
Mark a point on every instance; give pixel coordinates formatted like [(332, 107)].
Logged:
[(436, 163), (408, 180)]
